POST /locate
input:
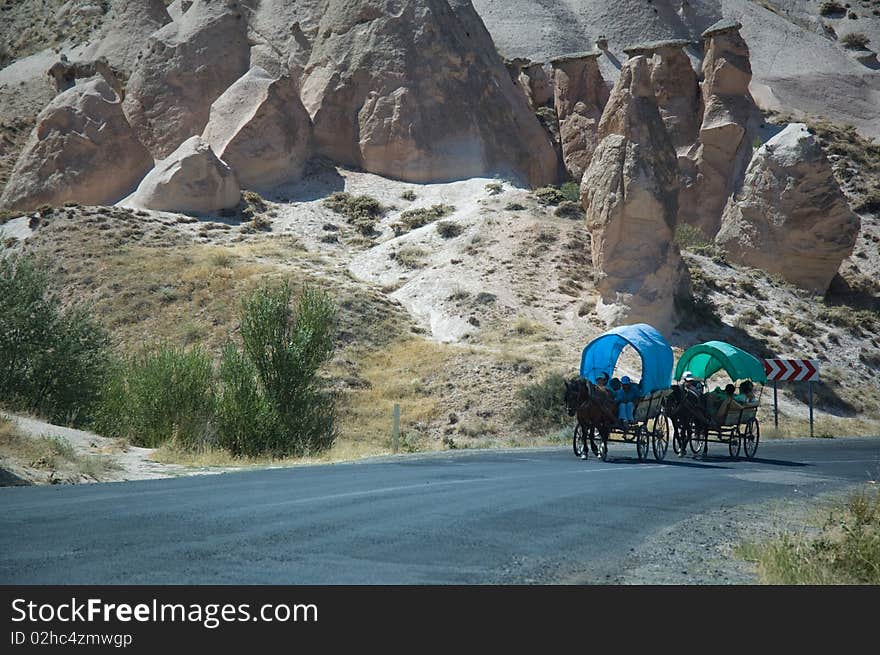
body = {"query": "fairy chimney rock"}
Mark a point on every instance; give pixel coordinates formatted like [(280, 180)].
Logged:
[(374, 105), (128, 28), (579, 95), (790, 217), (728, 127), (630, 194), (261, 129), (186, 66), (82, 149)]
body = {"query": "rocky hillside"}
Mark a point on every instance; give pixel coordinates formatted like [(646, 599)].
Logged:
[(483, 187)]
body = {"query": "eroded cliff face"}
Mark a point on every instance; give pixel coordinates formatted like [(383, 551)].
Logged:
[(410, 91), (579, 96), (630, 194), (185, 67)]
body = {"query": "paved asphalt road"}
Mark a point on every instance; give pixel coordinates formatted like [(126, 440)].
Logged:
[(537, 515)]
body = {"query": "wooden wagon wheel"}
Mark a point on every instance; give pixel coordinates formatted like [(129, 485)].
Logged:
[(660, 437), (751, 437), (734, 444)]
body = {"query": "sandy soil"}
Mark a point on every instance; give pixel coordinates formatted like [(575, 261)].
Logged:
[(127, 462)]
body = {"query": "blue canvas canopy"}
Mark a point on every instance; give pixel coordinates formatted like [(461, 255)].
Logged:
[(601, 354)]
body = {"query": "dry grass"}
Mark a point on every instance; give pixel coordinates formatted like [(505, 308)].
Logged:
[(397, 374), (48, 459), (846, 550), (824, 426)]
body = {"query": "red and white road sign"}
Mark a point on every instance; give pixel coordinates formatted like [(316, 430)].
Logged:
[(792, 370)]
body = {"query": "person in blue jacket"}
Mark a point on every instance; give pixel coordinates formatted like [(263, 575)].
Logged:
[(626, 397)]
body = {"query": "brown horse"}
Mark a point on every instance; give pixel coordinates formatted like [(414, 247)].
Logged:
[(595, 410)]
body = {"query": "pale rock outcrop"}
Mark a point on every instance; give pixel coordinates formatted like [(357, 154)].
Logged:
[(82, 149), (261, 129), (675, 88), (539, 84), (191, 180), (178, 8), (579, 96), (282, 32), (630, 194), (126, 32), (790, 217), (414, 90), (65, 73), (728, 129), (186, 66)]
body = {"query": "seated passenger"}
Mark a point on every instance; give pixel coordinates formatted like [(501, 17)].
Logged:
[(728, 402), (746, 395), (602, 380), (626, 397)]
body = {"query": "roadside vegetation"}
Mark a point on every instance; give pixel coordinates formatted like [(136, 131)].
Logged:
[(846, 550), (52, 358), (47, 459), (263, 397)]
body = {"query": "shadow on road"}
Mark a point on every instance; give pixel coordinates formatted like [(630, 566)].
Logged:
[(778, 462), (666, 462)]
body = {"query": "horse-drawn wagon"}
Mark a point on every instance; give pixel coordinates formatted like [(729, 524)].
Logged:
[(734, 421), (594, 404)]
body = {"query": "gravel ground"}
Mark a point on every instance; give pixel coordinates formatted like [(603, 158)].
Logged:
[(700, 549)]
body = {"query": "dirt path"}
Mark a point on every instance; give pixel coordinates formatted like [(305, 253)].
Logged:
[(119, 461)]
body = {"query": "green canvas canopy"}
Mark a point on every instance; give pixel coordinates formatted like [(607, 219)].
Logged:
[(706, 359)]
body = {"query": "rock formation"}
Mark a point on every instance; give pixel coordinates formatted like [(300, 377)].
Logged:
[(65, 73), (178, 8), (728, 129), (186, 66), (192, 180), (280, 30), (630, 194), (82, 149), (675, 88), (261, 129), (790, 217), (579, 95), (410, 90), (126, 32)]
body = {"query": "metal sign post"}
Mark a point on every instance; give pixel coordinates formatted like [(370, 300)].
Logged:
[(775, 405), (395, 428), (811, 407), (791, 370)]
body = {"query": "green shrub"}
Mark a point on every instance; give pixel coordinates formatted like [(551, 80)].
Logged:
[(270, 398), (854, 41), (494, 188), (415, 218), (549, 195), (870, 202), (449, 229), (360, 211), (571, 191), (541, 405), (688, 237), (52, 360), (514, 207), (162, 394), (830, 8), (409, 194), (569, 209)]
